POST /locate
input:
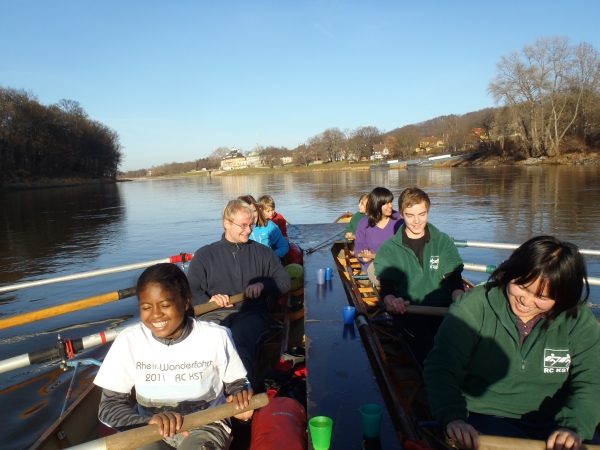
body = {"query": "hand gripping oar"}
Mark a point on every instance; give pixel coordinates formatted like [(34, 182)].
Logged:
[(211, 306), (138, 437), (505, 443), (423, 310)]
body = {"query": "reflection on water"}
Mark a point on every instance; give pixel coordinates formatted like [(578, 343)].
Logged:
[(69, 230)]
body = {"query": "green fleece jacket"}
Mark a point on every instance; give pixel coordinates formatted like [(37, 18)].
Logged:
[(478, 365), (351, 228), (420, 285)]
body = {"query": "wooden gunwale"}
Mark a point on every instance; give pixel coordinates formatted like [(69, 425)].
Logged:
[(401, 383)]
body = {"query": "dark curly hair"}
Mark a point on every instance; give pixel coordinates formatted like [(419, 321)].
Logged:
[(171, 279)]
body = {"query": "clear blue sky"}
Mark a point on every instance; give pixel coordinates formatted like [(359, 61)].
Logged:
[(177, 79)]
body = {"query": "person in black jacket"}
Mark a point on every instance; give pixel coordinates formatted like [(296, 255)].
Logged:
[(234, 265)]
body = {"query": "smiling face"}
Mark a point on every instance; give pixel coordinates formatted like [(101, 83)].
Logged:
[(415, 218), (387, 209), (239, 228), (161, 312), (524, 303)]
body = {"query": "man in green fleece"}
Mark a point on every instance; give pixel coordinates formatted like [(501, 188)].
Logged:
[(520, 356), (420, 265)]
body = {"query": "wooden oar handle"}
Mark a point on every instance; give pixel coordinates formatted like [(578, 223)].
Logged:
[(504, 443), (146, 435), (211, 306), (364, 255), (424, 310)]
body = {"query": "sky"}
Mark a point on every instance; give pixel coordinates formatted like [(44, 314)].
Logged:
[(178, 79)]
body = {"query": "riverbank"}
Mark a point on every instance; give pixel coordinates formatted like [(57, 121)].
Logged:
[(492, 160), (47, 183)]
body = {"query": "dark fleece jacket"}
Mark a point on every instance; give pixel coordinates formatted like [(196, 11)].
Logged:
[(227, 268)]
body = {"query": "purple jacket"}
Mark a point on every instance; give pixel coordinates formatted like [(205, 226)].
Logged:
[(370, 238)]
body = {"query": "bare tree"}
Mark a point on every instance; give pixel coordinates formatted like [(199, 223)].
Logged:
[(393, 145), (331, 141), (302, 155), (217, 155), (408, 138), (545, 88)]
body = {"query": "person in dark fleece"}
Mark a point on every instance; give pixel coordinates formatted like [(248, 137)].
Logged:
[(233, 265)]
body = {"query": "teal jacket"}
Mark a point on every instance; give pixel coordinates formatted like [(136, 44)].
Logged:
[(478, 365), (420, 285)]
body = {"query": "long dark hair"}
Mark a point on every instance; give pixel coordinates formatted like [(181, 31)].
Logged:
[(171, 279), (377, 198), (559, 266)]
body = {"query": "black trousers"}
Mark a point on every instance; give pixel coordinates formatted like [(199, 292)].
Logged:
[(247, 330), (418, 332)]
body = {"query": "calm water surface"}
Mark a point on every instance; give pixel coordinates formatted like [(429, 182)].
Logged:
[(55, 232)]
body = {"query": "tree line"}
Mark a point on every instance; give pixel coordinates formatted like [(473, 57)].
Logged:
[(55, 140), (549, 97)]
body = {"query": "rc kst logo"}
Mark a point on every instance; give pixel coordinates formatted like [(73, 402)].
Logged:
[(556, 361)]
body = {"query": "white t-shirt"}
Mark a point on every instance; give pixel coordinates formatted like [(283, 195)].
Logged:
[(192, 370)]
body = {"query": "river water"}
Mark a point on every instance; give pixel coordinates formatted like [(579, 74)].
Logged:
[(55, 232)]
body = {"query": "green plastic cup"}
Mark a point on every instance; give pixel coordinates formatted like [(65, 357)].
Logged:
[(371, 419), (320, 432)]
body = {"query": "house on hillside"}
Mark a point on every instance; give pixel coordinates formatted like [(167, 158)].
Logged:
[(480, 134), (233, 160), (429, 144), (254, 159), (380, 151), (286, 160)]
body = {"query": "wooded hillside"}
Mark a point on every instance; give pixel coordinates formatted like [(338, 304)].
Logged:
[(53, 141)]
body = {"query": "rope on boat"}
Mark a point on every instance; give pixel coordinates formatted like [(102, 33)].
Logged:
[(501, 246), (181, 258)]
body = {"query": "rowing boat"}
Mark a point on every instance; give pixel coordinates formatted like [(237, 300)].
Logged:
[(79, 423), (399, 380), (397, 374)]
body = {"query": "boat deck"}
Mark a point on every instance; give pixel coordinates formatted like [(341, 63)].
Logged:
[(339, 376)]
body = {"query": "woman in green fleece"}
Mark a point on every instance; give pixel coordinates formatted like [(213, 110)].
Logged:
[(520, 356)]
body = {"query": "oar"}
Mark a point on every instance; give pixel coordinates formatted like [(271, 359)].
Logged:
[(52, 353), (59, 350), (138, 437), (211, 306), (505, 443), (182, 257), (318, 246), (66, 308), (423, 310), (501, 246), (485, 268)]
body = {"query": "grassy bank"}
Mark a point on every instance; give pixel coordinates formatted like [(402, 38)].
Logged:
[(487, 160), (325, 167)]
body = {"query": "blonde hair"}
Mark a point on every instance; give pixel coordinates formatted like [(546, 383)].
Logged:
[(234, 207), (266, 201)]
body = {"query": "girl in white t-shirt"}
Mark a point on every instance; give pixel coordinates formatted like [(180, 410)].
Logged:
[(177, 365)]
